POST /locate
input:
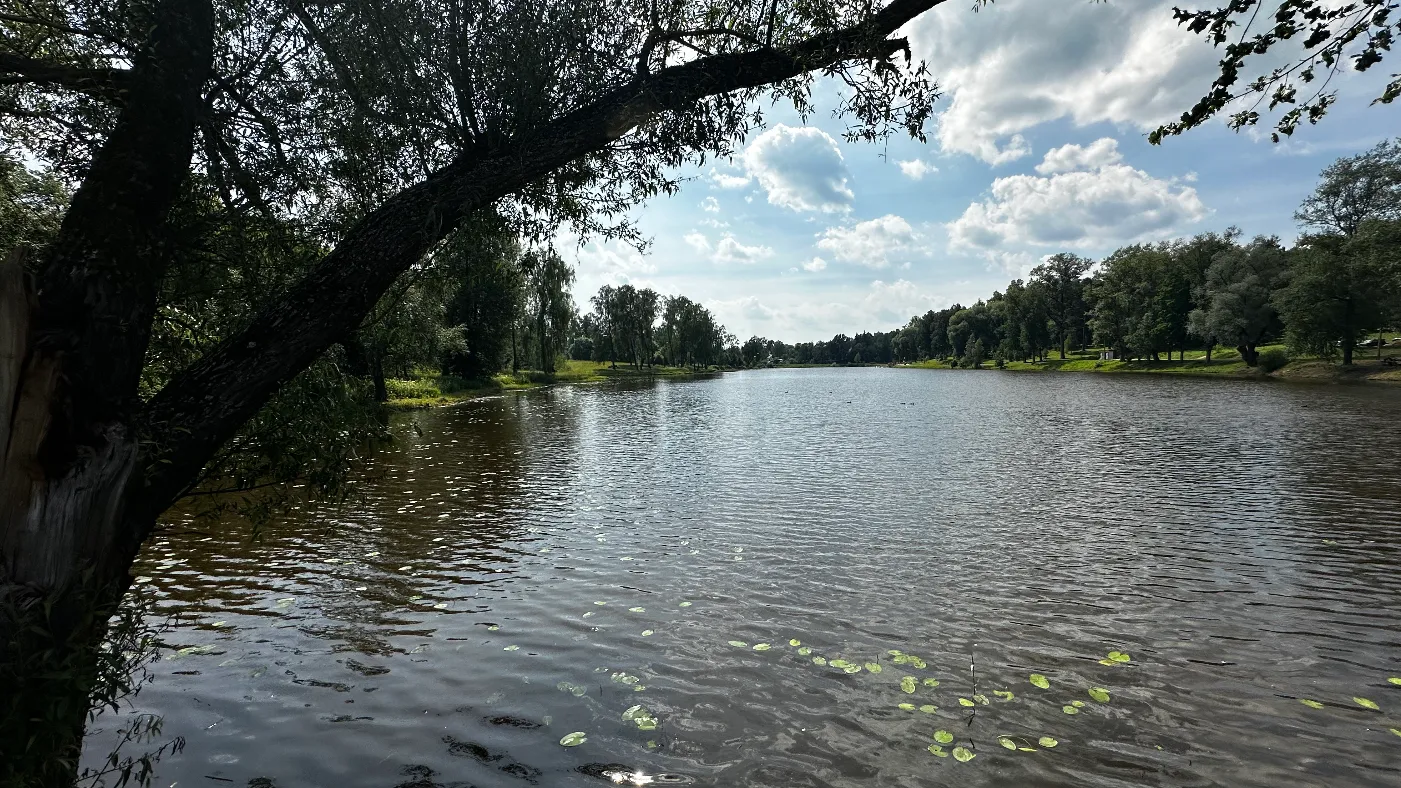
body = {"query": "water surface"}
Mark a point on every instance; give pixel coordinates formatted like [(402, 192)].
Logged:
[(525, 567)]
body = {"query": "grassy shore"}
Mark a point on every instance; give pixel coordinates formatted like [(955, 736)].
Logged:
[(1223, 363), (431, 390)]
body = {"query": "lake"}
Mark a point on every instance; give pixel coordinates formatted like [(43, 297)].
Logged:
[(526, 567)]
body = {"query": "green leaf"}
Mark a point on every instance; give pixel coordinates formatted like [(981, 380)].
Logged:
[(852, 668), (762, 647), (684, 604), (873, 667), (574, 739), (1111, 663), (1006, 742), (983, 699), (648, 632), (1026, 749), (928, 708), (1038, 680), (895, 652), (937, 750), (966, 702), (1069, 709), (493, 628), (1395, 680), (1396, 731), (1313, 704), (804, 651), (1003, 694), (511, 648), (599, 602), (1119, 656), (739, 644), (943, 737), (931, 682), (1100, 694), (908, 684), (917, 663), (900, 659), (633, 712), (1079, 704), (1367, 704), (646, 724), (1047, 742), (838, 663), (819, 661), (906, 707), (637, 610), (963, 754), (795, 642)]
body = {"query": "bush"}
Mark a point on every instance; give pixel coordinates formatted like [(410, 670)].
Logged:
[(411, 389), (1272, 359)]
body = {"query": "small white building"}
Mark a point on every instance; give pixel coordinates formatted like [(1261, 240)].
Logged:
[(1106, 355)]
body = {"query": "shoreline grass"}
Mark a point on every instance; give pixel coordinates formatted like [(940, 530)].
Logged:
[(430, 390)]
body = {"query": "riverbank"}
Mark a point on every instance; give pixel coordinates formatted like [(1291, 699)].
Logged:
[(431, 391), (1224, 363)]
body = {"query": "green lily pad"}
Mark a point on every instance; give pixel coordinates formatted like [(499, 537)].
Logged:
[(966, 702), (637, 610), (943, 737), (492, 628), (1047, 742), (906, 707), (931, 682), (1003, 694), (838, 663), (646, 724), (819, 661), (795, 642), (1118, 656), (1396, 731), (633, 712), (1038, 680), (1079, 704), (1111, 663), (739, 644), (648, 632), (874, 667), (762, 647), (1006, 743), (1026, 749), (908, 684), (917, 663), (900, 659), (937, 750), (588, 614), (928, 708), (1100, 694), (963, 754), (1367, 704), (1313, 704), (1395, 680), (684, 604), (983, 699), (804, 651), (1070, 709), (895, 652), (574, 739), (852, 669)]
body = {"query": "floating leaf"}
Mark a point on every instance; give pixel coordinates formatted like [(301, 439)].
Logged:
[(943, 737), (1313, 704), (928, 708), (908, 684), (1366, 704), (762, 647), (511, 648), (1006, 742), (1396, 731), (1003, 694), (633, 711), (931, 682), (804, 651), (739, 644), (648, 724), (599, 602), (907, 707), (1119, 656), (895, 652), (492, 628), (1111, 663), (852, 668), (1395, 680), (1047, 742), (685, 604), (983, 699), (1070, 709), (819, 661), (900, 659), (651, 744), (1100, 694), (966, 702), (1038, 680), (873, 667), (573, 739), (795, 642), (1026, 749), (1079, 704), (917, 663), (963, 754), (648, 632), (838, 663), (588, 614), (637, 610), (937, 750)]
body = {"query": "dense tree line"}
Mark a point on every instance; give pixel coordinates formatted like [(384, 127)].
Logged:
[(1339, 282)]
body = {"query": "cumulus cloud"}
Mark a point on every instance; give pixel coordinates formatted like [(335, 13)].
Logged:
[(916, 169), (697, 241), (1019, 63), (1100, 153), (815, 264), (801, 168), (710, 205), (729, 250), (896, 301), (871, 243), (1107, 202)]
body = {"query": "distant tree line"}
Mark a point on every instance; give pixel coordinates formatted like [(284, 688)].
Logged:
[(1339, 282)]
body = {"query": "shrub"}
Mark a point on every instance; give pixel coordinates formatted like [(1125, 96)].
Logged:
[(411, 389), (1272, 359)]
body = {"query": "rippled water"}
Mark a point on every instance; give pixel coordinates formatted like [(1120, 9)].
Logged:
[(518, 562)]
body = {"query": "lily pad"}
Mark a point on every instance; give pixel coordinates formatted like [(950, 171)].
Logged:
[(739, 644), (935, 749), (874, 667), (838, 663), (574, 739), (1313, 704), (895, 652), (795, 642), (1367, 704), (511, 648), (906, 707), (819, 660), (1070, 709), (928, 708), (634, 711), (804, 651), (599, 602), (1395, 680), (1119, 656), (1100, 694), (1038, 680), (1047, 742), (852, 669), (900, 659), (908, 684), (963, 754), (637, 610), (1003, 694), (493, 628), (684, 604), (931, 682), (647, 724), (966, 702), (943, 737), (648, 632), (1006, 743), (1396, 731), (588, 614), (983, 699), (1079, 704), (762, 647), (917, 663)]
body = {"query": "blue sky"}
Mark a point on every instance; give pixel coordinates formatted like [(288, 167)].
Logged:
[(1039, 147)]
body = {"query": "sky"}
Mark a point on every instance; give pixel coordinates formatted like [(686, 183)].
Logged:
[(1039, 146)]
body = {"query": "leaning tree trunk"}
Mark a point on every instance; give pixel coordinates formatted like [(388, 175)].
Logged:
[(1249, 354)]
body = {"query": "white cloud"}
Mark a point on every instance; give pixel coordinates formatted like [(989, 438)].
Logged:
[(697, 241), (916, 169), (815, 264), (726, 181), (1019, 63), (1114, 203), (1100, 153), (728, 250), (871, 243), (895, 302), (801, 168), (710, 205)]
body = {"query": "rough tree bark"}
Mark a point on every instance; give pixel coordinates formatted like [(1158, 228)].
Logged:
[(85, 469)]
